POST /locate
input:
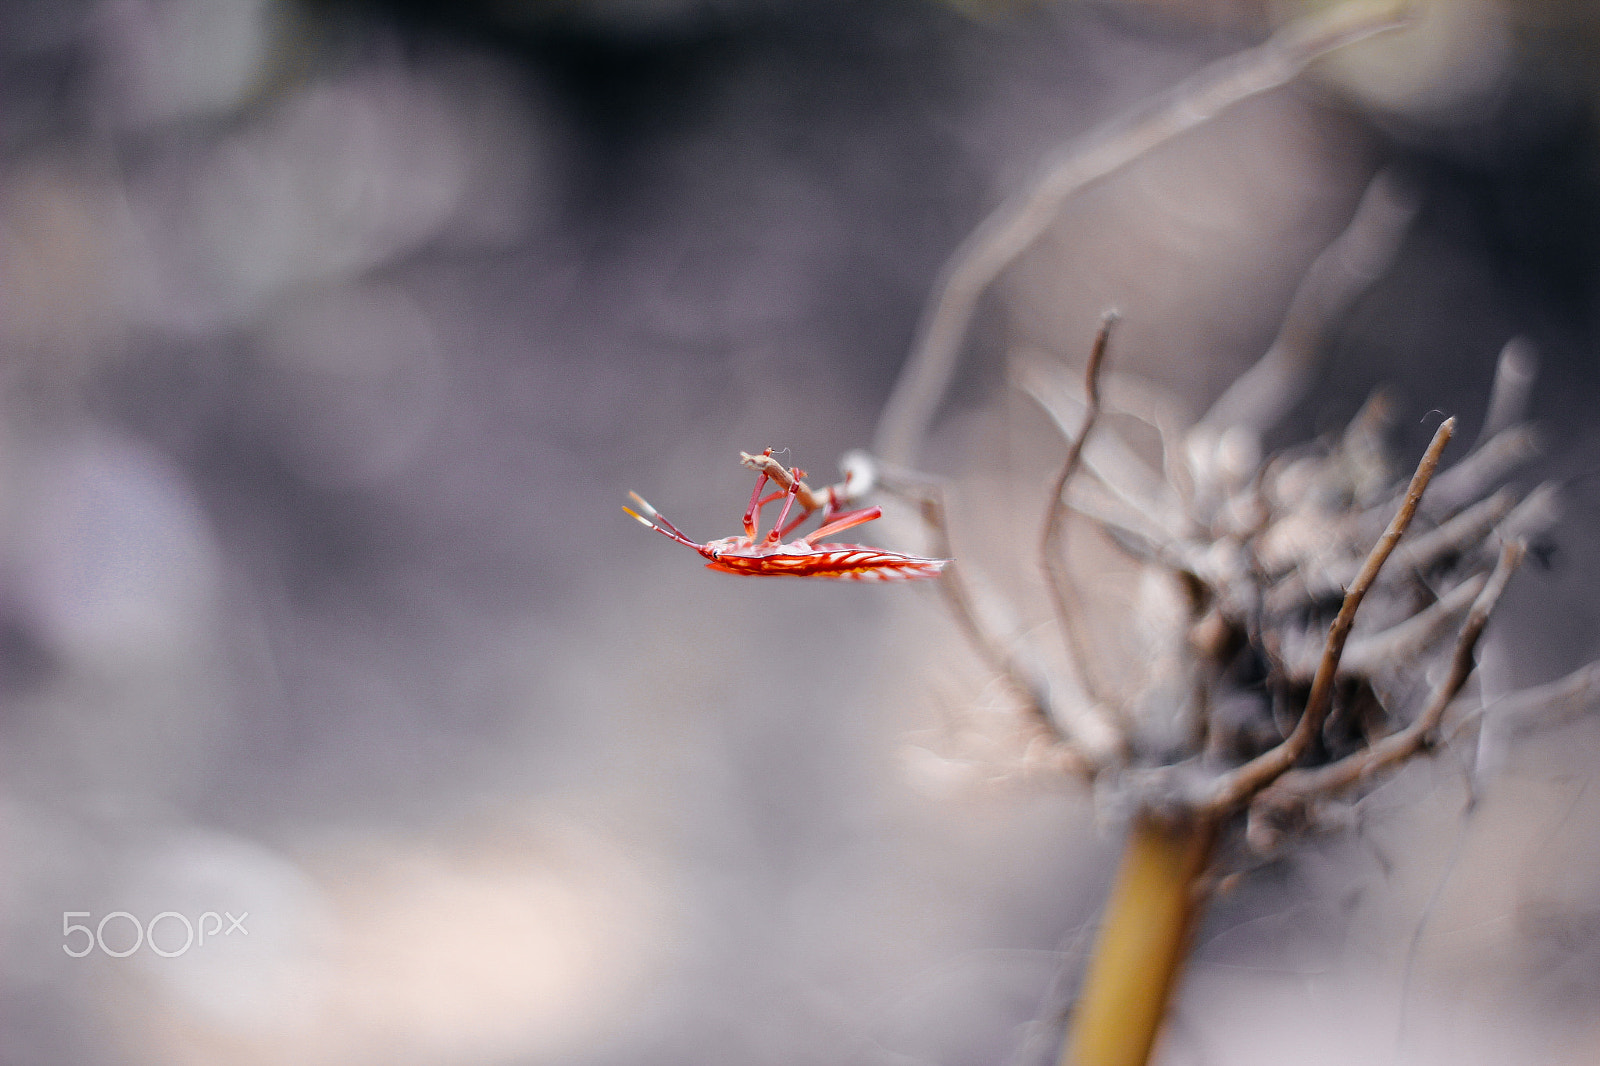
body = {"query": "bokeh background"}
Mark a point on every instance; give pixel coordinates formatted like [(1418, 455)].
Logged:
[(332, 336)]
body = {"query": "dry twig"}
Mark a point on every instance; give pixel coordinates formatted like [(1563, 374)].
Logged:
[(1017, 223), (1398, 747), (1238, 787), (1052, 542)]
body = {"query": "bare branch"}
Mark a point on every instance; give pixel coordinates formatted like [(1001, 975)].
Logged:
[(1034, 372), (1397, 747), (1550, 704), (1263, 395), (1538, 511), (1135, 538), (1113, 465), (1026, 684), (1249, 779), (1514, 373), (1457, 535), (1020, 220), (1052, 541), (1486, 465), (1401, 643)]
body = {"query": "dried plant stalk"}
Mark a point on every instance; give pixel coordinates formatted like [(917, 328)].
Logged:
[(1266, 551), (1262, 397), (1144, 938), (1289, 704)]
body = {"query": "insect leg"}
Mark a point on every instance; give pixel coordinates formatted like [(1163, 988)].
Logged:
[(839, 524), (798, 520), (753, 512), (778, 527), (830, 505)]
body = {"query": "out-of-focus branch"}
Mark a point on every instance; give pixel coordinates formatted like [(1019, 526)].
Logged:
[(1082, 755), (1514, 373), (1020, 220), (1487, 464), (1453, 537), (1035, 372), (1543, 706), (1403, 642), (1114, 466), (1263, 395)]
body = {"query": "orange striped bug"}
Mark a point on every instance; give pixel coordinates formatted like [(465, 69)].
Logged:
[(807, 556)]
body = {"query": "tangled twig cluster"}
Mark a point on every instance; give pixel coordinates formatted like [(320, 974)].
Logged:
[(1273, 697), (1284, 699), (1327, 607)]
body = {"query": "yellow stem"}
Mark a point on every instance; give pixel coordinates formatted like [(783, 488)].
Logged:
[(1143, 942)]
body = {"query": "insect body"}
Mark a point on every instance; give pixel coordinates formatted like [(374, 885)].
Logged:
[(807, 556)]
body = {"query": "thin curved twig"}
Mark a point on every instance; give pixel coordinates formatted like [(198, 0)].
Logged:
[(1012, 227), (1032, 371), (1263, 395), (1052, 547), (953, 586), (1114, 466)]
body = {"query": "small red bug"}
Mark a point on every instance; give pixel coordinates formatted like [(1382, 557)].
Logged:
[(806, 557)]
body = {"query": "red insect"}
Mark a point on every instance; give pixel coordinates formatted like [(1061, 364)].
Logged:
[(808, 556)]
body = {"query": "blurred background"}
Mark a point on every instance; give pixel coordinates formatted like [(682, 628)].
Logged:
[(332, 336)]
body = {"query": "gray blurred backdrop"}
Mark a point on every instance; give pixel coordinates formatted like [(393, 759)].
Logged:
[(331, 339)]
